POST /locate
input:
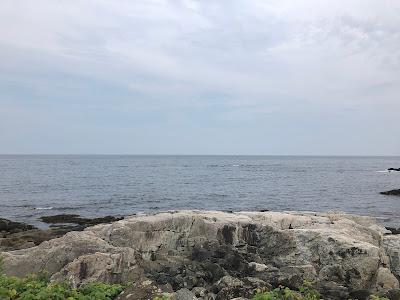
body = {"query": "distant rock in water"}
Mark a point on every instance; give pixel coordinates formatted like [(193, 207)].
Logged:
[(76, 219), (394, 169), (392, 193)]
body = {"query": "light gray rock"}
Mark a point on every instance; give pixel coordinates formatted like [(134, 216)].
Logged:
[(229, 281), (102, 267), (55, 254), (258, 267), (183, 294), (144, 289), (385, 280), (340, 252), (199, 291), (391, 244)]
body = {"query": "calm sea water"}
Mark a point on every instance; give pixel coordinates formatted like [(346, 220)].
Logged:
[(32, 186)]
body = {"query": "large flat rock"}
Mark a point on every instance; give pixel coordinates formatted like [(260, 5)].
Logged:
[(341, 253)]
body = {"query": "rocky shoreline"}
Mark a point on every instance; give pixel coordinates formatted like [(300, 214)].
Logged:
[(17, 235), (222, 255)]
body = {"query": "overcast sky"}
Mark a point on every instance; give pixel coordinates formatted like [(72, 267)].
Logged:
[(200, 77)]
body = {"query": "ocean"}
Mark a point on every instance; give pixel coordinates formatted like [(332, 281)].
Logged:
[(96, 185)]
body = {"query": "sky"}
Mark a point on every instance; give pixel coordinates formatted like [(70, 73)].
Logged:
[(257, 77)]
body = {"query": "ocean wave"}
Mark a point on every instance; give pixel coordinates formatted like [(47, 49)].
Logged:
[(17, 206), (44, 208), (217, 195), (69, 207)]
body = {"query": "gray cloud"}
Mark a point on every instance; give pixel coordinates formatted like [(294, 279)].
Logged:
[(224, 63)]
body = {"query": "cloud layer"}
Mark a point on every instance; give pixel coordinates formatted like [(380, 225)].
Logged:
[(206, 77)]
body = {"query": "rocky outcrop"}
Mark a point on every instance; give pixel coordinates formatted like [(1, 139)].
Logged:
[(13, 227), (393, 230), (394, 169), (220, 255), (17, 236), (391, 193)]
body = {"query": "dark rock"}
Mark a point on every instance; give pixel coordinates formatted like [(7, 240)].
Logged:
[(76, 219), (228, 233), (332, 290), (394, 169), (393, 294), (229, 293), (392, 193), (64, 218), (393, 230), (360, 294), (17, 236), (13, 227), (229, 287), (27, 239)]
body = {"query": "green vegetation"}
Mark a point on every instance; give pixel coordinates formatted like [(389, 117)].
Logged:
[(284, 293), (373, 297), (161, 298), (304, 293), (38, 287)]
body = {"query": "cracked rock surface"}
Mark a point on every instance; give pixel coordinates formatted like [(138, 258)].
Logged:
[(221, 255)]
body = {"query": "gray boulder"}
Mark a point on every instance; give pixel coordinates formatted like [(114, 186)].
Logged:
[(145, 289), (183, 294)]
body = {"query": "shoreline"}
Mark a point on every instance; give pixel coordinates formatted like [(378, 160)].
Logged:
[(19, 235), (16, 235), (225, 253)]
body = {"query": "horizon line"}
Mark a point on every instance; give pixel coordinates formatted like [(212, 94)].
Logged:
[(160, 154)]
